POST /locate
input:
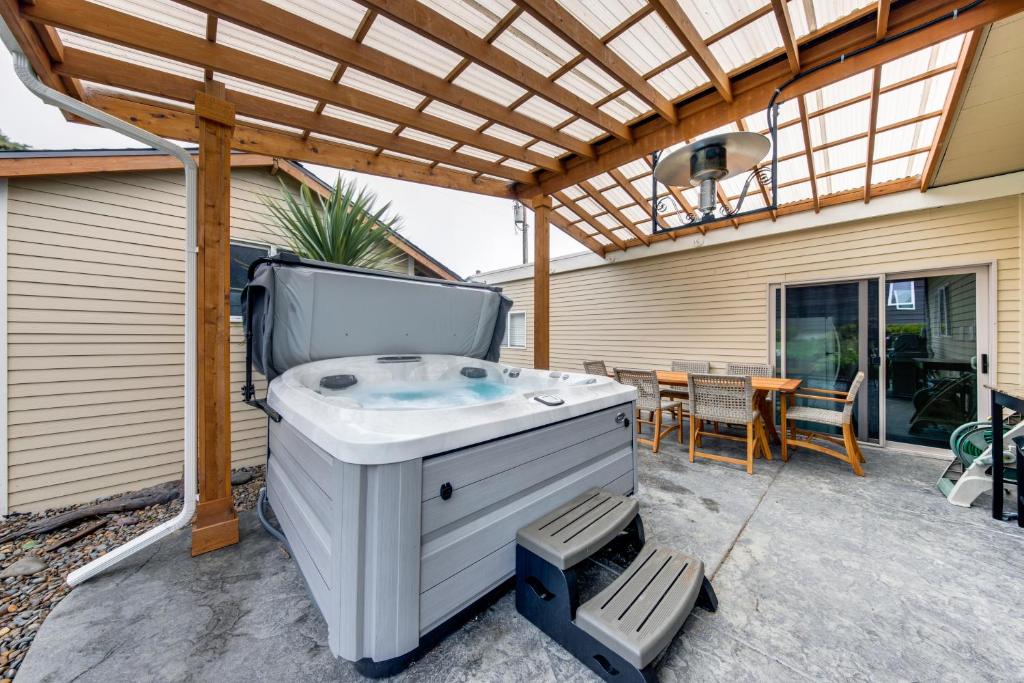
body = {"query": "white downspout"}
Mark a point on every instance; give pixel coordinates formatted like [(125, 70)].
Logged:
[(69, 104)]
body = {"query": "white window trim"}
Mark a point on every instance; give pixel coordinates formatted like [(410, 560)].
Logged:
[(272, 250), (508, 330), (893, 299)]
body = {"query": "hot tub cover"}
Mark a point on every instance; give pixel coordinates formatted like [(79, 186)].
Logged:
[(299, 311)]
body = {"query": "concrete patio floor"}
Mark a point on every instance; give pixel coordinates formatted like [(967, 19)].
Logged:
[(821, 575)]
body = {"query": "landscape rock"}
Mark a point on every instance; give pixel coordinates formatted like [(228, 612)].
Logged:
[(26, 566), (239, 477)]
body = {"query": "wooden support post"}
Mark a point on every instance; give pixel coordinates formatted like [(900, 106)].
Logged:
[(216, 524), (541, 282)]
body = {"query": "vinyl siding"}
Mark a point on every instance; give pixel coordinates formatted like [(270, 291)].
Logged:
[(712, 302), (95, 337)]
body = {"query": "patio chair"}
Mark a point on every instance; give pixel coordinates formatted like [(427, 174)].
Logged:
[(650, 398), (595, 367), (754, 370), (687, 366), (793, 436), (725, 398)]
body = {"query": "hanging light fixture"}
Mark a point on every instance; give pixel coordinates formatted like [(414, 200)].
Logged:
[(704, 164)]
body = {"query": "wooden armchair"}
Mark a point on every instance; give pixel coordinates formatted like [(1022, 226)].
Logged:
[(650, 399), (725, 398), (792, 436)]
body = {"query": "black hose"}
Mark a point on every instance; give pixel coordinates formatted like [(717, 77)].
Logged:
[(261, 501)]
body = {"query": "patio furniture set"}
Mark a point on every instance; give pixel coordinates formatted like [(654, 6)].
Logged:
[(740, 398)]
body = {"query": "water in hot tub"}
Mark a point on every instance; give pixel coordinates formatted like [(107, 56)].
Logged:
[(412, 395)]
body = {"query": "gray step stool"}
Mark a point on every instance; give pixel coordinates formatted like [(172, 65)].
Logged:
[(621, 632)]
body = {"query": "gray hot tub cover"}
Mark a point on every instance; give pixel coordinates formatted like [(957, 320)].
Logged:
[(300, 311)]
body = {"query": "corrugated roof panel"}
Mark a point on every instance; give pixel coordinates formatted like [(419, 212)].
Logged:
[(840, 123), (744, 46), (547, 149), (428, 138), (163, 12), (518, 165), (635, 213), (364, 82), (887, 171), (754, 200), (905, 138), (407, 157), (127, 54), (943, 54), (643, 185), (259, 45), (790, 140), (589, 81), (478, 16), (507, 134), (794, 193), (734, 185), (102, 89), (331, 138), (360, 118), (793, 169), (647, 44), (679, 79), (574, 192), (602, 239), (266, 92), (583, 130), (410, 47), (340, 16), (607, 221), (841, 91), (711, 17), (260, 123), (566, 213), (809, 16), (601, 16), (454, 115), (540, 109), (841, 182), (602, 180), (530, 42), (589, 205), (635, 168), (758, 121), (625, 107), (459, 169), (841, 156), (490, 85), (914, 99), (479, 153)]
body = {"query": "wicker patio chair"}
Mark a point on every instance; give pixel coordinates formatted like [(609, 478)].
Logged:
[(699, 366), (725, 398), (650, 399), (755, 370), (793, 436), (595, 367)]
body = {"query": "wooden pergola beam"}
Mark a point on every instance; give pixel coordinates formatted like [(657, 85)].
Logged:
[(568, 203), (752, 92), (614, 212), (972, 44), (542, 282), (563, 224), (805, 130), (685, 32), (427, 22), (782, 18), (876, 83), (882, 20), (557, 19), (123, 29), (178, 124), (292, 28)]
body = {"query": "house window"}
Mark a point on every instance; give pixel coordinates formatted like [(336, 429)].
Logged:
[(901, 295), (515, 331), (242, 255)]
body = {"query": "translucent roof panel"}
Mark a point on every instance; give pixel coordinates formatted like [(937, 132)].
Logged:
[(547, 149), (647, 44), (478, 153), (589, 81), (259, 45), (507, 134), (841, 182), (945, 53), (794, 193), (617, 196), (905, 138), (454, 115), (427, 138), (583, 130), (347, 143), (411, 47), (887, 171), (165, 12), (602, 181), (841, 91), (367, 83), (359, 118), (625, 107), (679, 79), (574, 192), (711, 17), (127, 54), (841, 156), (488, 84), (260, 123), (340, 16), (101, 89), (266, 92), (635, 214), (790, 140), (476, 16), (635, 168), (542, 110), (601, 16), (792, 169), (841, 123), (911, 100), (747, 44), (589, 205), (809, 16), (518, 165), (530, 42)]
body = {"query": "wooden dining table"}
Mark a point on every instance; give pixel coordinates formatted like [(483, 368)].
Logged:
[(762, 387)]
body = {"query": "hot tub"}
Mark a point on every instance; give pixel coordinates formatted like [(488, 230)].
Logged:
[(400, 482)]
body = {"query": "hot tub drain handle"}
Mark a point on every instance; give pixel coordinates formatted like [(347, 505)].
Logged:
[(446, 490)]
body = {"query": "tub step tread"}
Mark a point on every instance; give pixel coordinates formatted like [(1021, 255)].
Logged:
[(578, 529)]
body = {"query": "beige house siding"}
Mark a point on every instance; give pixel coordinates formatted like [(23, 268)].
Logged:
[(712, 302), (95, 337)]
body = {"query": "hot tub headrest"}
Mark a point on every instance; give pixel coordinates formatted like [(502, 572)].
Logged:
[(301, 311)]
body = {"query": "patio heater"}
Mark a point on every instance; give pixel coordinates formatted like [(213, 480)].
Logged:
[(704, 164)]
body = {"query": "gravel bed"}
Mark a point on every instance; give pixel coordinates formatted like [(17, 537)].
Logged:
[(26, 600)]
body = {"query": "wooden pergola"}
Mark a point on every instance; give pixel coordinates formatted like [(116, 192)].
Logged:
[(557, 103)]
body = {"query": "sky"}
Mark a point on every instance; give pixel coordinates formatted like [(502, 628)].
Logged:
[(467, 232)]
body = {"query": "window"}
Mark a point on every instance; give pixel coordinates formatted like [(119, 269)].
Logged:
[(515, 331), (241, 256), (901, 295)]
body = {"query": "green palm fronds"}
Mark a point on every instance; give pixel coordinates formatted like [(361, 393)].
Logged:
[(344, 228)]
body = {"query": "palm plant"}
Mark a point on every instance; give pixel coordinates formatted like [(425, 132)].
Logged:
[(345, 227)]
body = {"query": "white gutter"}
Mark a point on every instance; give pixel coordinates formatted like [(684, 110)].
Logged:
[(3, 348), (69, 104)]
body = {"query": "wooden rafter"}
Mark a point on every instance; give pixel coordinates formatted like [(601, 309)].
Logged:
[(805, 130), (121, 28), (882, 20), (563, 224), (427, 22), (953, 98), (211, 35), (614, 211), (179, 124), (876, 84), (589, 220), (685, 32), (858, 166), (281, 24), (782, 18), (560, 21)]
